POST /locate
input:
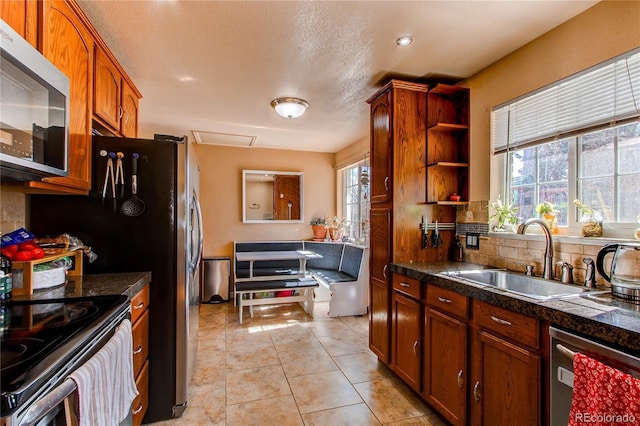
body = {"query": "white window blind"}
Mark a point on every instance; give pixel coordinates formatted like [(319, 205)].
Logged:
[(603, 94)]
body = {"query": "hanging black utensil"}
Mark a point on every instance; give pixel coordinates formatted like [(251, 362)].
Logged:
[(134, 206)]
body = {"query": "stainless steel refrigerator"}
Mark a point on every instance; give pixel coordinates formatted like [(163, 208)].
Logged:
[(165, 238)]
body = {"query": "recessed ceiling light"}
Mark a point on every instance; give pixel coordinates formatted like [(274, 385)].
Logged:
[(404, 40)]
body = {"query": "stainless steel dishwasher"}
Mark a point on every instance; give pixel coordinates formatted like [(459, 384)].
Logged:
[(563, 346)]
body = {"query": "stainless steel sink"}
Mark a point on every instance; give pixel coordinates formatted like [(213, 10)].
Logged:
[(536, 288)]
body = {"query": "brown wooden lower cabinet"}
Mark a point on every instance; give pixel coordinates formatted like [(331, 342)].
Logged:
[(406, 336), (140, 332), (140, 404), (445, 365), (506, 383), (473, 362)]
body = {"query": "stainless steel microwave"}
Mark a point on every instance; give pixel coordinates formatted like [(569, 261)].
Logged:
[(34, 112)]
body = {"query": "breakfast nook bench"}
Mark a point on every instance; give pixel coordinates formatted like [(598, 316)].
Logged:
[(294, 290), (300, 267)]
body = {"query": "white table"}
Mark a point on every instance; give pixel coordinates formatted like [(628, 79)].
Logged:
[(252, 256)]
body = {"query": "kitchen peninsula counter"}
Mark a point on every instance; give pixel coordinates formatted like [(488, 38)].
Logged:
[(127, 283), (598, 316)]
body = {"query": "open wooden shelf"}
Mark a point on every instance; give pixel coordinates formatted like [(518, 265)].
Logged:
[(448, 127), (447, 164)]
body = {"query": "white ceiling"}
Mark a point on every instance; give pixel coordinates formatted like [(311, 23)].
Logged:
[(215, 66)]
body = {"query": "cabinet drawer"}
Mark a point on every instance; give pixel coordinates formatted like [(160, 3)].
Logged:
[(409, 286), (519, 328), (448, 301), (140, 342), (141, 402), (139, 304)]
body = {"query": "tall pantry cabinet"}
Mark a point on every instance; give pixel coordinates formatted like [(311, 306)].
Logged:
[(398, 177), (419, 158)]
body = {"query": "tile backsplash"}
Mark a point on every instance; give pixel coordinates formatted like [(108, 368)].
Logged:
[(13, 208)]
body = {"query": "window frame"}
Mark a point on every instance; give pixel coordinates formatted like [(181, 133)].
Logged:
[(501, 133), (342, 201)]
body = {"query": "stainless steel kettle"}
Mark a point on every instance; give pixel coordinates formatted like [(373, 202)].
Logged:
[(624, 274)]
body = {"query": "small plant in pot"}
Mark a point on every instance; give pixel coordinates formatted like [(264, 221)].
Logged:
[(506, 215), (548, 213), (590, 220), (319, 226), (336, 228)]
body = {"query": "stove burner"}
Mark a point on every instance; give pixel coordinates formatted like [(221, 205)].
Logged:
[(16, 351)]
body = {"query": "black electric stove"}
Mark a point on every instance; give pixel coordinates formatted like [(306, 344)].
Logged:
[(44, 340)]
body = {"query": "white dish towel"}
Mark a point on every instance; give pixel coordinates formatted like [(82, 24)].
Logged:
[(106, 386)]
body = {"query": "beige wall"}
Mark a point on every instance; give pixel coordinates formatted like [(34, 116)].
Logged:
[(600, 33), (221, 193)]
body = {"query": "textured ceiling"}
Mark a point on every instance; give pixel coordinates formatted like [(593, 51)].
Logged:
[(215, 66)]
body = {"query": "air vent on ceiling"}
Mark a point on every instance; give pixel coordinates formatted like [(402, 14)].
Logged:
[(225, 139)]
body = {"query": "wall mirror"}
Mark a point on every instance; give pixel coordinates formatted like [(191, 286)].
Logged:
[(272, 197)]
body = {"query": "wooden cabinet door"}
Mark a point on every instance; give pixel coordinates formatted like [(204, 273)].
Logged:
[(22, 16), (106, 101), (379, 288), (405, 339), (286, 197), (69, 46), (381, 150), (445, 365), (129, 120), (506, 383)]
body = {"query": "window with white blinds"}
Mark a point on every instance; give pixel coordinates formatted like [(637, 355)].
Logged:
[(605, 94)]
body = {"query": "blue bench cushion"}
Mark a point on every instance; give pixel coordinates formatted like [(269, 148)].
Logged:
[(263, 272), (331, 276), (268, 246), (331, 255), (351, 260), (276, 284)]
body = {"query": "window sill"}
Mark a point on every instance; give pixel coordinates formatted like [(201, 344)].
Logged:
[(570, 239)]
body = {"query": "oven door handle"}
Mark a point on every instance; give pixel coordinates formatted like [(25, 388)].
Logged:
[(48, 402)]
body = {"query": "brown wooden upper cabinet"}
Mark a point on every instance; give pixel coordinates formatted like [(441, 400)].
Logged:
[(22, 16), (68, 44), (381, 149), (115, 101), (67, 38)]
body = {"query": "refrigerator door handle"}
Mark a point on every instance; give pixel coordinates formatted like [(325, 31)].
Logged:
[(195, 260)]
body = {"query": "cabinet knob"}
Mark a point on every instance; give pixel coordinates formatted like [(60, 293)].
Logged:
[(415, 348), (386, 183), (476, 392), (443, 300), (139, 306), (404, 285), (138, 350), (384, 271), (460, 379)]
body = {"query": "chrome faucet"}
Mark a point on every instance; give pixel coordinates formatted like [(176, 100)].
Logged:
[(547, 274)]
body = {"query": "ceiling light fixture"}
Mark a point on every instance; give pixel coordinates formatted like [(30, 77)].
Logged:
[(290, 107), (404, 40)]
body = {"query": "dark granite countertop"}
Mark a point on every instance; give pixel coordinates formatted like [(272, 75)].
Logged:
[(127, 283), (597, 316)]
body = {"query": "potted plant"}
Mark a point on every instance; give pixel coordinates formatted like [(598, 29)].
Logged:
[(548, 213), (506, 215), (336, 228), (319, 227), (590, 220)]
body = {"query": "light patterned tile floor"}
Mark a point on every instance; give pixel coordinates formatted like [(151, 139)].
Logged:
[(283, 367)]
